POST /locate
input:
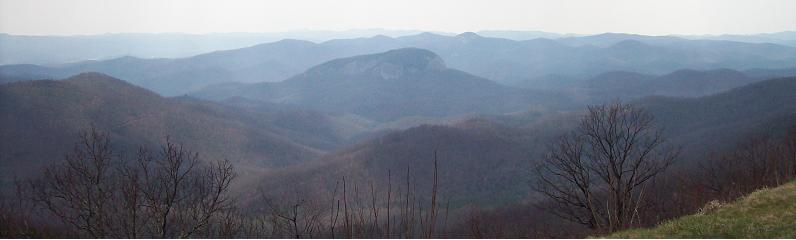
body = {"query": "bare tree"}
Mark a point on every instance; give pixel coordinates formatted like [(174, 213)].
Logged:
[(182, 194), (297, 216), (597, 173), (80, 190)]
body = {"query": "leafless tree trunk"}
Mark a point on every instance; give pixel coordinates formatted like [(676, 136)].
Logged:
[(374, 210), (346, 216), (389, 198), (334, 211), (433, 212)]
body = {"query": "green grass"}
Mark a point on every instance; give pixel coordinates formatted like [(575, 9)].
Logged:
[(766, 213)]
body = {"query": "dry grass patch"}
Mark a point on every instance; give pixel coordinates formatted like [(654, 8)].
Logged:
[(766, 213)]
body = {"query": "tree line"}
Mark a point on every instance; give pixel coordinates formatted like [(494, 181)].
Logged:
[(172, 193), (612, 172)]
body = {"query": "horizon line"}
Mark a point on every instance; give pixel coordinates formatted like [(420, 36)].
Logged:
[(416, 31)]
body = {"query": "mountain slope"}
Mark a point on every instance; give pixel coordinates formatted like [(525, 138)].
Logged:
[(387, 86), (767, 213), (693, 83), (719, 119), (483, 159), (680, 83), (41, 120), (479, 161)]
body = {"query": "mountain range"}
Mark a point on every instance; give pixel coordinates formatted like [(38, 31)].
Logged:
[(19, 49), (502, 60), (296, 117)]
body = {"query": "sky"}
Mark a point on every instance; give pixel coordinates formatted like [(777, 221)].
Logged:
[(660, 17)]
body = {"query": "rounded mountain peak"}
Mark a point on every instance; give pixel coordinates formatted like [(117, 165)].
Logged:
[(468, 35), (388, 65), (413, 58)]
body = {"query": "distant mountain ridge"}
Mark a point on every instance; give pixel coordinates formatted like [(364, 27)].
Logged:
[(20, 49), (632, 85), (261, 63), (501, 60)]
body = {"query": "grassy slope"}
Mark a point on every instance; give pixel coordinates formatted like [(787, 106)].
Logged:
[(767, 213)]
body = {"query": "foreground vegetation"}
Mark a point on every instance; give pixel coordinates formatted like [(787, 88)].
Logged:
[(766, 213), (168, 192)]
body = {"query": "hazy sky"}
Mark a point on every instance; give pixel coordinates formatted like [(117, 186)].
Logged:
[(660, 17)]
